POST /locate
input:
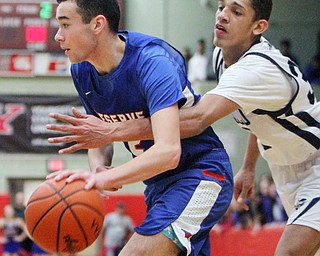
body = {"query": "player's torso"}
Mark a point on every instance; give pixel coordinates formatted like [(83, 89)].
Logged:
[(117, 98), (290, 134), (124, 95)]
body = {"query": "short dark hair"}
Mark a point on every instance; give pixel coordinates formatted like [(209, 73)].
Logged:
[(262, 9), (88, 9)]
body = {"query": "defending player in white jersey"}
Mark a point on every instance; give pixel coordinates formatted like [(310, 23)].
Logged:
[(268, 96)]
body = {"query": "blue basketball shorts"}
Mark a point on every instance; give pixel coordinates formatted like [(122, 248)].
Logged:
[(191, 202)]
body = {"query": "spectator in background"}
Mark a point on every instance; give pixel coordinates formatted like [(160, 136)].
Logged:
[(264, 200), (197, 65), (10, 226), (269, 207), (210, 72), (19, 208), (312, 70), (186, 52), (265, 207), (117, 229), (286, 50), (27, 246), (242, 218)]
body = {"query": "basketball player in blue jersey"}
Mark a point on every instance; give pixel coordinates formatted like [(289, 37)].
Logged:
[(269, 98), (121, 76)]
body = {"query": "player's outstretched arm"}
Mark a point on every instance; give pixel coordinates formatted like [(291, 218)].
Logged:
[(88, 131), (208, 110)]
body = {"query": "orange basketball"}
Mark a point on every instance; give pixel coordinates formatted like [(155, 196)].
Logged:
[(64, 218)]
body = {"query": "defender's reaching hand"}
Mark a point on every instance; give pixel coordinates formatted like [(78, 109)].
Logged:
[(86, 131)]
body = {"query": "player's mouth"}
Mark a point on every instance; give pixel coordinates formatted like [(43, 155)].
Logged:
[(220, 29), (66, 50)]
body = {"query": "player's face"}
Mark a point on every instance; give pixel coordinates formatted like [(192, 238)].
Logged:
[(74, 36), (234, 25)]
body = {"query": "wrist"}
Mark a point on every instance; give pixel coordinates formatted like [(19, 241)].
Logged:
[(114, 133), (248, 168)]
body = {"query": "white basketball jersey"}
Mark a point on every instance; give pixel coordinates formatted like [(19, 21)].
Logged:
[(277, 104)]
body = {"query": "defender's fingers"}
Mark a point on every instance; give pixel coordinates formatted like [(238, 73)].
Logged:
[(77, 114), (61, 128), (64, 118), (63, 139), (70, 149)]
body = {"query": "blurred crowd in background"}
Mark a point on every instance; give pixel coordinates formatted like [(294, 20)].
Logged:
[(265, 209)]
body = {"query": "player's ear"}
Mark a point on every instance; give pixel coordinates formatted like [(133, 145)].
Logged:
[(98, 23), (260, 26)]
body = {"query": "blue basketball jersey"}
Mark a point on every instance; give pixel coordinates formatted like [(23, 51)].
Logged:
[(151, 76)]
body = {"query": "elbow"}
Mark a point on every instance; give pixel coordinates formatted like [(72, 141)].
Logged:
[(173, 157), (176, 157)]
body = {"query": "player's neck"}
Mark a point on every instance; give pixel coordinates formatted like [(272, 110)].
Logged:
[(109, 55), (232, 55)]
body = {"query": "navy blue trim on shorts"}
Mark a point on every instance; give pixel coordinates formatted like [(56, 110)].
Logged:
[(310, 205)]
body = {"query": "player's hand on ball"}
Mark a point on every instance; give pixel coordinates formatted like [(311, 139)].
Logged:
[(98, 180), (60, 175), (77, 215)]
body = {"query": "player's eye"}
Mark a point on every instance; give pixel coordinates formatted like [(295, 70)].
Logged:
[(237, 11), (220, 8), (63, 25)]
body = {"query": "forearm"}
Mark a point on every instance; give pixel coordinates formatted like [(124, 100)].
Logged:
[(193, 120), (251, 155), (90, 132), (208, 110), (132, 130), (144, 166), (191, 123), (100, 157), (162, 156)]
